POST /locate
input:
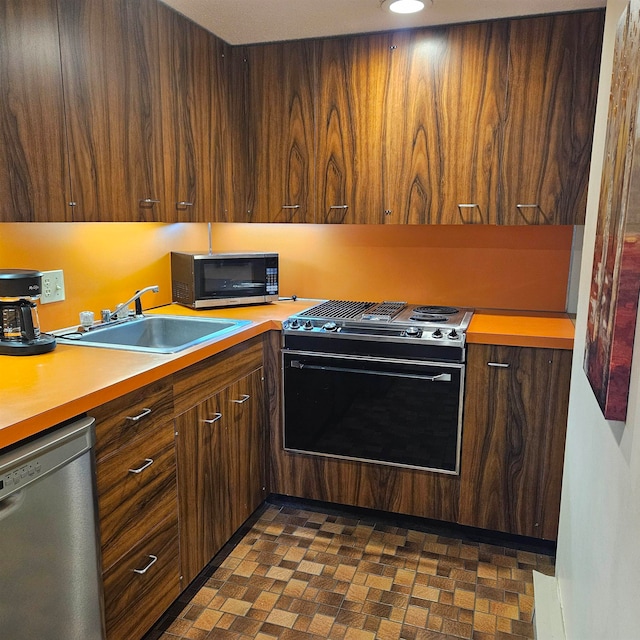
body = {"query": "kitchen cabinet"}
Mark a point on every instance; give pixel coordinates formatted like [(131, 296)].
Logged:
[(552, 82), (194, 118), (110, 66), (282, 79), (446, 94), (137, 503), (221, 454), (34, 184), (514, 429)]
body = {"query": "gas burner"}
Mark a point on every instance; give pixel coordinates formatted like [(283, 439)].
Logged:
[(427, 317), (434, 310)]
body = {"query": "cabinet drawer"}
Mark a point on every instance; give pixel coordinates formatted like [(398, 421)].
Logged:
[(134, 597), (136, 491), (125, 419), (200, 381)]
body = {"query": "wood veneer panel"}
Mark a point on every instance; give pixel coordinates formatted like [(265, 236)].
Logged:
[(282, 84), (110, 65), (33, 163), (132, 504), (133, 602), (554, 64), (193, 385), (513, 439)]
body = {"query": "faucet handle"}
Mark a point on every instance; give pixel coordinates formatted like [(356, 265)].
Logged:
[(105, 315)]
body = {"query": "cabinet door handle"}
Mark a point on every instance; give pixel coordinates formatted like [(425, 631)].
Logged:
[(216, 417), (527, 206), (339, 206), (243, 398), (149, 201), (290, 206), (154, 559), (145, 412), (147, 463), (184, 204), (502, 365)]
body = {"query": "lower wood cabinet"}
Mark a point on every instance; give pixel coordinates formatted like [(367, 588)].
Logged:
[(220, 451), (515, 421)]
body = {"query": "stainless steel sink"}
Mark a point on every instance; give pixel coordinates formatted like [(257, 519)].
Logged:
[(153, 333)]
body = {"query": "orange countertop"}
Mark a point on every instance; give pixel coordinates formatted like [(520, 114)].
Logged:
[(521, 329), (38, 392)]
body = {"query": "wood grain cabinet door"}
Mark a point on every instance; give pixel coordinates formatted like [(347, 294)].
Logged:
[(513, 439), (203, 503), (282, 83), (109, 51), (243, 402), (194, 119), (34, 183), (352, 82), (554, 64)]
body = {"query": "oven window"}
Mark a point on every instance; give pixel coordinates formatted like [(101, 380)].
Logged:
[(390, 413), (233, 278)]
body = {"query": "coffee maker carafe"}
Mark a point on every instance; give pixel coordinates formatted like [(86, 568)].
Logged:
[(20, 329)]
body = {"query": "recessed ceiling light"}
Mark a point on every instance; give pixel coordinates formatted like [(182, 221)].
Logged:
[(403, 6)]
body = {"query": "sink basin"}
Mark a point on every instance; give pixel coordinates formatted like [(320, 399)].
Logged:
[(153, 334)]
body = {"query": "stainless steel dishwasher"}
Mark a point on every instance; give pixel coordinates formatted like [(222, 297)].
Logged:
[(50, 567)]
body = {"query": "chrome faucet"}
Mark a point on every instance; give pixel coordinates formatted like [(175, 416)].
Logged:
[(135, 298)]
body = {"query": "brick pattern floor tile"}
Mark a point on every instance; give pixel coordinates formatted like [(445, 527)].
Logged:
[(305, 575)]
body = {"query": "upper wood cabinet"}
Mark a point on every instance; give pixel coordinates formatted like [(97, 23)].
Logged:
[(552, 82), (195, 115), (281, 81), (445, 100), (109, 51), (33, 162)]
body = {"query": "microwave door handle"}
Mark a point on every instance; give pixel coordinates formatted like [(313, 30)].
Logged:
[(439, 377)]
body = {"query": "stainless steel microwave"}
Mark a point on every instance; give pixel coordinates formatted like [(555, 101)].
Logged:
[(207, 280)]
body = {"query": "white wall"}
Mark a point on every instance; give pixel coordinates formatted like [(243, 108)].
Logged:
[(598, 561)]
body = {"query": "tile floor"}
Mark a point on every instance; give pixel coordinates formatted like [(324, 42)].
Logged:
[(301, 574)]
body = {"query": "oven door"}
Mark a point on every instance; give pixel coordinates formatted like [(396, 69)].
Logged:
[(396, 412)]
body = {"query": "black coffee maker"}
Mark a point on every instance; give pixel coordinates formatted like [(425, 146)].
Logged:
[(20, 328)]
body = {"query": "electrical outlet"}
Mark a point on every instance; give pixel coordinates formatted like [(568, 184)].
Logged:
[(52, 286)]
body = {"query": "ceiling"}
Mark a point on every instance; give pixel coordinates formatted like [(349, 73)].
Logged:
[(251, 21)]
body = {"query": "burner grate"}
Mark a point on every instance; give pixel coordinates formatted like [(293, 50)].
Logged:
[(338, 310), (384, 311), (435, 310)]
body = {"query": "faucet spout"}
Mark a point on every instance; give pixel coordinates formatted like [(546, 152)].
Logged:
[(135, 298)]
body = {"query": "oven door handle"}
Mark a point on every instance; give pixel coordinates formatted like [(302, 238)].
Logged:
[(439, 377)]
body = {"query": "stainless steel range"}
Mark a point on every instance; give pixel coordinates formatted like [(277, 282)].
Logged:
[(379, 383), (427, 331)]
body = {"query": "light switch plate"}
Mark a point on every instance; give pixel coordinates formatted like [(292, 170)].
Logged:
[(52, 286)]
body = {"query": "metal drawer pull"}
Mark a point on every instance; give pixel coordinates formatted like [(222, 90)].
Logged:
[(216, 417), (527, 206), (502, 365), (290, 206), (184, 204), (145, 412), (154, 559), (149, 201), (339, 206), (243, 398), (468, 206), (147, 463)]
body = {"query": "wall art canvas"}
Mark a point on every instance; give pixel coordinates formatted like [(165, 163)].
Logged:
[(615, 283)]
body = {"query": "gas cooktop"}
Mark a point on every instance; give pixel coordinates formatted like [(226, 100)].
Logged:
[(379, 320)]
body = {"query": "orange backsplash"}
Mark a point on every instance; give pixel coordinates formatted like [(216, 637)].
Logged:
[(520, 268)]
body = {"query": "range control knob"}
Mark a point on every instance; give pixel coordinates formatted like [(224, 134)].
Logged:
[(294, 324), (437, 333), (413, 332), (308, 325), (330, 326), (453, 334)]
